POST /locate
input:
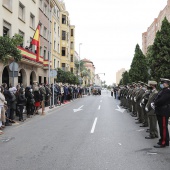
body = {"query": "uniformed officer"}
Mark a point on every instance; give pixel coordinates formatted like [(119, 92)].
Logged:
[(143, 103), (138, 100), (162, 110), (151, 112), (134, 111)]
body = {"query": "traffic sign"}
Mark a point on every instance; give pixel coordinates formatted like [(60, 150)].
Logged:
[(53, 73), (13, 66)]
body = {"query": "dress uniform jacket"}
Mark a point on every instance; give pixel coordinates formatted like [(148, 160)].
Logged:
[(150, 100), (162, 103)]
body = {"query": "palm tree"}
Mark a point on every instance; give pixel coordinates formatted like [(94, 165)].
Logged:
[(79, 64)]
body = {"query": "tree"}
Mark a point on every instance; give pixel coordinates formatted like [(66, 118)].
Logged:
[(158, 54), (138, 70), (8, 48), (77, 65), (125, 78), (66, 77)]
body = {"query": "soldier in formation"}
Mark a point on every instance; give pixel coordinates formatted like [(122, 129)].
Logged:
[(150, 107)]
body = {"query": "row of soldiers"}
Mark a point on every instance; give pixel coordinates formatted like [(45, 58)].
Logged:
[(149, 106)]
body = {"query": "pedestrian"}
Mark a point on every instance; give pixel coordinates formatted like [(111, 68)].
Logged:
[(8, 98), (2, 113), (43, 93), (21, 103), (161, 105), (30, 101), (13, 104)]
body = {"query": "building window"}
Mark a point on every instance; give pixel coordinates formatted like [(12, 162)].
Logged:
[(71, 58), (55, 26), (54, 45), (45, 53), (7, 4), (58, 31), (32, 21), (71, 70), (22, 35), (63, 65), (63, 51), (54, 63), (32, 47), (45, 9), (41, 29), (6, 29), (41, 52), (63, 19), (41, 2), (58, 13), (72, 32), (21, 11), (63, 35), (72, 45), (45, 32), (58, 64)]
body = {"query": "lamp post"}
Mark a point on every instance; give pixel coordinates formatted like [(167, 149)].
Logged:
[(79, 61)]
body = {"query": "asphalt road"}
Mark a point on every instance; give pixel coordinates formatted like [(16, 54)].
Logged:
[(95, 137)]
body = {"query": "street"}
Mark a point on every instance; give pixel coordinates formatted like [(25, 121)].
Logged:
[(86, 134)]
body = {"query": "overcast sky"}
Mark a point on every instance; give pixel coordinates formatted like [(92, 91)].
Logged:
[(110, 29)]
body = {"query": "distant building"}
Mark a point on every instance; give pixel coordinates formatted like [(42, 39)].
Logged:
[(149, 36), (119, 75), (97, 81), (89, 80)]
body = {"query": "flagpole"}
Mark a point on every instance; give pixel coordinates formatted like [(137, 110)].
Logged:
[(49, 48)]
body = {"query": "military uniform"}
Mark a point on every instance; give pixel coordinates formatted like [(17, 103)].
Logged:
[(138, 100), (151, 113), (162, 110), (143, 103)]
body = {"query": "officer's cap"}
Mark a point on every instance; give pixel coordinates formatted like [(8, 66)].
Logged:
[(150, 82), (165, 80), (141, 83)]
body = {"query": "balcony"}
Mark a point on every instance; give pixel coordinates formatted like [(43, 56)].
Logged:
[(31, 58)]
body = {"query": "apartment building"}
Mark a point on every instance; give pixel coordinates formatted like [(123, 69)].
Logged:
[(119, 75), (91, 69), (21, 17), (56, 46), (149, 36), (67, 40)]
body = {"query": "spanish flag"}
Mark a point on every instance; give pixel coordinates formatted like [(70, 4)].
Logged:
[(36, 41)]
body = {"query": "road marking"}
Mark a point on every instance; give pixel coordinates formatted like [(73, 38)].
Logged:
[(120, 109), (140, 130), (100, 101), (99, 107), (94, 125), (120, 144), (151, 153), (79, 109)]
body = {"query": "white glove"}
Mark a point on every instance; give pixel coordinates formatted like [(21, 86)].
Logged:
[(135, 99), (140, 104), (131, 98), (143, 101), (153, 106), (146, 109)]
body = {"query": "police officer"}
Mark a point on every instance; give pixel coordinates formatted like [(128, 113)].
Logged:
[(162, 110)]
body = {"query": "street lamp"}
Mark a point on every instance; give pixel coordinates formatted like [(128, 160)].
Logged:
[(79, 61)]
